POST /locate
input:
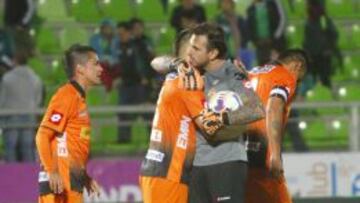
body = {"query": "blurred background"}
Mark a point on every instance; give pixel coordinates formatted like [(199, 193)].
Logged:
[(322, 141)]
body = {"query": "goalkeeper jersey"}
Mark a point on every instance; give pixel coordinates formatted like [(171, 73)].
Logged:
[(268, 81), (172, 141)]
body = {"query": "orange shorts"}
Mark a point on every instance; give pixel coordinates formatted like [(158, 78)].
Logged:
[(160, 190), (67, 197), (260, 187)]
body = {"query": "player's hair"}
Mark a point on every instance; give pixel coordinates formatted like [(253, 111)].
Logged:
[(124, 24), (215, 36), (181, 38), (294, 55), (135, 20), (76, 54)]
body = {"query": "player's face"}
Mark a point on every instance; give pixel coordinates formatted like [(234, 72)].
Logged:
[(93, 69), (199, 55)]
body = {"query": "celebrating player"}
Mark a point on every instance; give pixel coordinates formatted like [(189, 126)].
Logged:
[(165, 171), (63, 137), (275, 85)]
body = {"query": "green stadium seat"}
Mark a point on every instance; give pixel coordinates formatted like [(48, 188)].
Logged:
[(350, 71), (96, 95), (299, 11), (53, 10), (151, 11), (140, 134), (356, 35), (47, 42), (118, 10), (295, 34), (321, 93), (340, 8), (85, 11), (331, 134), (165, 40), (345, 37), (349, 92), (73, 34), (211, 8)]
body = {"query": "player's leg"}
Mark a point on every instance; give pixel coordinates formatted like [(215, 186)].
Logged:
[(52, 198), (159, 190), (256, 187), (73, 196), (198, 188), (281, 191), (227, 181)]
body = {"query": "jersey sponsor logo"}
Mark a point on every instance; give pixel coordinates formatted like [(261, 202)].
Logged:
[(252, 146), (43, 176), (62, 150), (155, 155), (56, 117), (222, 199), (247, 84), (156, 135), (183, 137)]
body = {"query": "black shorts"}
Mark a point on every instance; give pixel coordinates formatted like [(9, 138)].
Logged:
[(223, 182)]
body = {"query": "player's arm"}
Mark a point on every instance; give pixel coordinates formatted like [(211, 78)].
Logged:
[(274, 117), (251, 111), (48, 158), (190, 78), (162, 64)]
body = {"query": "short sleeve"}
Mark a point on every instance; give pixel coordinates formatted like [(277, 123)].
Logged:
[(284, 87), (58, 111), (194, 102)]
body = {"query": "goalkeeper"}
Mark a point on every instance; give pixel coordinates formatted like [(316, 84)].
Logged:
[(165, 171), (213, 155)]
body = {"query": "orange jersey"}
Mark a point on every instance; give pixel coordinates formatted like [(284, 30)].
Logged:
[(172, 143), (268, 81), (67, 114)]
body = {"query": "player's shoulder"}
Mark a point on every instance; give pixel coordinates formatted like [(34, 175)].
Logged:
[(65, 90), (65, 93)]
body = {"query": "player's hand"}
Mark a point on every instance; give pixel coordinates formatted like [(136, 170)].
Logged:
[(190, 78), (92, 187), (212, 122), (56, 182), (276, 167)]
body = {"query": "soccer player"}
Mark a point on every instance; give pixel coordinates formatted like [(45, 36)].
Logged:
[(207, 54), (63, 137), (165, 171), (275, 84)]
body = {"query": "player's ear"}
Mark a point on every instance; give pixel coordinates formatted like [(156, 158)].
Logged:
[(79, 69), (213, 54)]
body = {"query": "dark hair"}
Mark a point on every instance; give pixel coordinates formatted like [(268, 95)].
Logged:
[(76, 54), (21, 56), (294, 55), (181, 38), (124, 24), (134, 20), (215, 36)]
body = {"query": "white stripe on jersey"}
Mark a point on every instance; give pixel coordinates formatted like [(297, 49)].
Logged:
[(279, 91)]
